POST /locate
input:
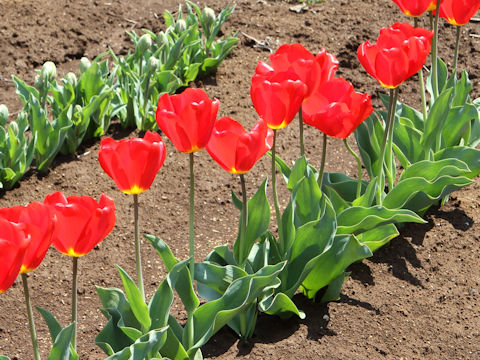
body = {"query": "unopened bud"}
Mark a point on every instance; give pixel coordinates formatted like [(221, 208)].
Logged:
[(84, 64), (3, 114), (38, 82), (208, 15), (161, 39), (180, 26), (144, 43), (71, 78), (153, 64), (13, 126), (49, 71)]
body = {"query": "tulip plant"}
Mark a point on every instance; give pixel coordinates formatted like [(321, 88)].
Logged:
[(330, 221)]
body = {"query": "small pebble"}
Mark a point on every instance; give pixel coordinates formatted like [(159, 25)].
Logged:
[(326, 317)]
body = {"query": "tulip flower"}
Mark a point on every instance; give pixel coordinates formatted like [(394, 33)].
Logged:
[(458, 12), (39, 223), (13, 245), (82, 222), (277, 98), (187, 119), (336, 109), (400, 52), (236, 150), (295, 59), (132, 163), (415, 8)]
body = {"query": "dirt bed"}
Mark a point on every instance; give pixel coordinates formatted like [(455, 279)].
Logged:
[(415, 299)]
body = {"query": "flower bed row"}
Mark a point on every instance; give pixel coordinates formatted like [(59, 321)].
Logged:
[(330, 222)]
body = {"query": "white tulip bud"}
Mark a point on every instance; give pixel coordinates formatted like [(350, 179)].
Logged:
[(84, 64), (49, 71), (144, 43), (3, 114)]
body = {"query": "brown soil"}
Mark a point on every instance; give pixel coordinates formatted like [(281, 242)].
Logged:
[(415, 299)]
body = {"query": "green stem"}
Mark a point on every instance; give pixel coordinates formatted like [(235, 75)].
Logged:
[(243, 225), (381, 158), (31, 323), (391, 166), (322, 165), (457, 46), (74, 299), (190, 327), (435, 53), (300, 124), (422, 83), (359, 167), (138, 254), (274, 191), (145, 100), (243, 324)]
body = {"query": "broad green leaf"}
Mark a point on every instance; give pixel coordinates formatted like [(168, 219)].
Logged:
[(258, 220), (418, 194), (468, 155), (139, 308), (442, 72), (378, 236), (369, 135), (280, 305), (344, 251), (3, 357), (431, 170), (299, 171), (356, 219), (282, 166), (435, 120), (61, 347), (306, 195), (216, 277), (334, 288), (173, 348), (407, 141), (143, 347)]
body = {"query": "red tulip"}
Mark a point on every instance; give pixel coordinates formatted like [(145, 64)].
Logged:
[(276, 97), (187, 119), (132, 163), (295, 59), (13, 245), (39, 223), (458, 12), (400, 51), (82, 222), (415, 8), (336, 109), (236, 150)]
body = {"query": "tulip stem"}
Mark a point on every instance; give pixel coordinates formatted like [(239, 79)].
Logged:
[(300, 124), (457, 46), (191, 330), (422, 83), (322, 165), (391, 166), (74, 299), (381, 159), (31, 322), (435, 52), (275, 198), (243, 230), (138, 254), (359, 167)]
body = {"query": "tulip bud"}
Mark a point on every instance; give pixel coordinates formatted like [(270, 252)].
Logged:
[(71, 78), (49, 71), (144, 43), (84, 64), (161, 39), (208, 15), (14, 127), (38, 82), (3, 114), (180, 26), (153, 64)]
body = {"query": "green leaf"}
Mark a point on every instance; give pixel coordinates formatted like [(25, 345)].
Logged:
[(468, 155), (3, 357), (258, 220), (334, 288), (139, 308), (307, 197), (143, 347), (435, 120), (61, 347), (53, 326), (299, 171), (280, 305), (282, 166), (369, 136), (184, 284), (216, 277), (407, 141), (457, 123), (344, 251), (431, 170), (378, 236), (356, 219)]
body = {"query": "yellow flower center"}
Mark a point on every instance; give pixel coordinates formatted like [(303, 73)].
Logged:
[(135, 189)]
